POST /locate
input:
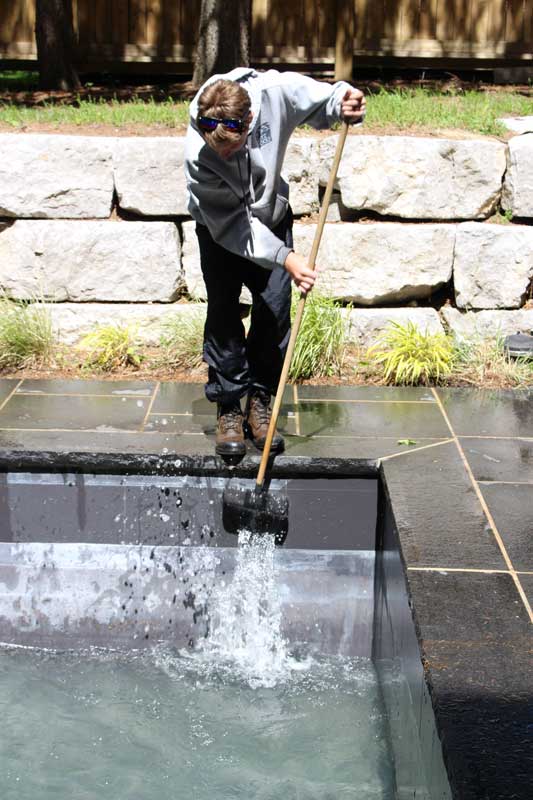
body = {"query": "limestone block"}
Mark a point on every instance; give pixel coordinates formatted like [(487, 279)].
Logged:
[(366, 325), (517, 124), (474, 325), (493, 265), (300, 169), (190, 259), (53, 177), (378, 263), (149, 176), (72, 321), (194, 282), (416, 178), (90, 261), (517, 195)]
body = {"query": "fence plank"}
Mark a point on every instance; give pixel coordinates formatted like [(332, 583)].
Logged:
[(389, 23), (137, 21), (460, 26), (153, 21), (28, 20), (84, 21), (120, 23), (370, 22), (344, 38), (409, 10), (480, 20), (310, 31), (16, 22), (515, 22), (101, 31), (259, 21), (328, 17), (428, 17), (496, 30)]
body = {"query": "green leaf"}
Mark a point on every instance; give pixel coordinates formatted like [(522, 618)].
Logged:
[(407, 442)]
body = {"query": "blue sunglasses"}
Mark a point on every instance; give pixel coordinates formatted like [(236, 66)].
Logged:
[(211, 123)]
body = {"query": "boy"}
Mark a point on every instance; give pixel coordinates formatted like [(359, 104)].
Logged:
[(238, 132)]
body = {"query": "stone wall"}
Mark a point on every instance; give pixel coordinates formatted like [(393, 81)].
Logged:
[(98, 227)]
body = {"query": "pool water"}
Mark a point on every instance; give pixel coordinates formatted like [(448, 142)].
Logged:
[(163, 725)]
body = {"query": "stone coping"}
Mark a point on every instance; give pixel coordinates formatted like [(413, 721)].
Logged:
[(457, 468)]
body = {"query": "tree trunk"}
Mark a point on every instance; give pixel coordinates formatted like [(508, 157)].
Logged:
[(223, 38), (54, 33)]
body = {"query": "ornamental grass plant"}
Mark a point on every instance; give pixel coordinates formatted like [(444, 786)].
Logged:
[(182, 339), (321, 343), (484, 362), (110, 347), (26, 336), (410, 357)]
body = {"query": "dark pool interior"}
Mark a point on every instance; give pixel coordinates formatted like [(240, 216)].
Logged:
[(72, 540)]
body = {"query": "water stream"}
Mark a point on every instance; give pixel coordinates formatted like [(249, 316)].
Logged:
[(245, 619)]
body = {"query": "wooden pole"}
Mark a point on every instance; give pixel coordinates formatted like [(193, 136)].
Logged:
[(300, 308)]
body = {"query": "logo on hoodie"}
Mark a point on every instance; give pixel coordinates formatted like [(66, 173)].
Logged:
[(264, 135)]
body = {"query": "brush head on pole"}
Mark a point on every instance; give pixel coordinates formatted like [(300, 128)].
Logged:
[(255, 510)]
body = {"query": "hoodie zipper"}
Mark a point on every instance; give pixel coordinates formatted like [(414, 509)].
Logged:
[(246, 183)]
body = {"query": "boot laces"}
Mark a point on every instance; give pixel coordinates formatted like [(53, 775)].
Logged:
[(260, 405), (230, 419)]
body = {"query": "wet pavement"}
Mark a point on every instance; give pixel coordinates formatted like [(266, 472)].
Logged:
[(457, 466)]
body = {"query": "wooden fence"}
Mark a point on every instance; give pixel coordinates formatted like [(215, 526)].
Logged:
[(162, 32)]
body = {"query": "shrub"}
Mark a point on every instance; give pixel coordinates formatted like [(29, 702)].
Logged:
[(182, 339), (410, 356), (484, 362), (110, 347), (26, 336), (321, 342)]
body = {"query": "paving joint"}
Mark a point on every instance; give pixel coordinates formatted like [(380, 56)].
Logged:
[(486, 510)]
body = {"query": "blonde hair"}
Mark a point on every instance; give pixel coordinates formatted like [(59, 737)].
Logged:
[(223, 99)]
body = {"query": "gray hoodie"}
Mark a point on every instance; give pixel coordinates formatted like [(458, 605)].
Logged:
[(242, 198)]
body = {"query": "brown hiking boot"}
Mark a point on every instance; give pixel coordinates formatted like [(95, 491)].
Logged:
[(230, 434), (258, 415)]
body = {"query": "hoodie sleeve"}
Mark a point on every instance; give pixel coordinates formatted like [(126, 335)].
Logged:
[(229, 221), (313, 102)]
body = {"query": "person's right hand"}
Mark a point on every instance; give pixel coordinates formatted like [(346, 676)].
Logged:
[(303, 277)]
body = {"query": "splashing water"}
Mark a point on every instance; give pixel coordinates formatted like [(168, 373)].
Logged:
[(245, 619)]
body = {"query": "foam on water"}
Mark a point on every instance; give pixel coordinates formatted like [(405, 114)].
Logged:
[(245, 637)]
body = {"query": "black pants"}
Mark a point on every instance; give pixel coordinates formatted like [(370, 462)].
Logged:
[(238, 362)]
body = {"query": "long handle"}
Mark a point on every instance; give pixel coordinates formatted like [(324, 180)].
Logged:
[(300, 308)]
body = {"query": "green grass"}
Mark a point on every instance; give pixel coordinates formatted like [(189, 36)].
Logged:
[(168, 113), (18, 80), (414, 109), (419, 108), (26, 337)]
